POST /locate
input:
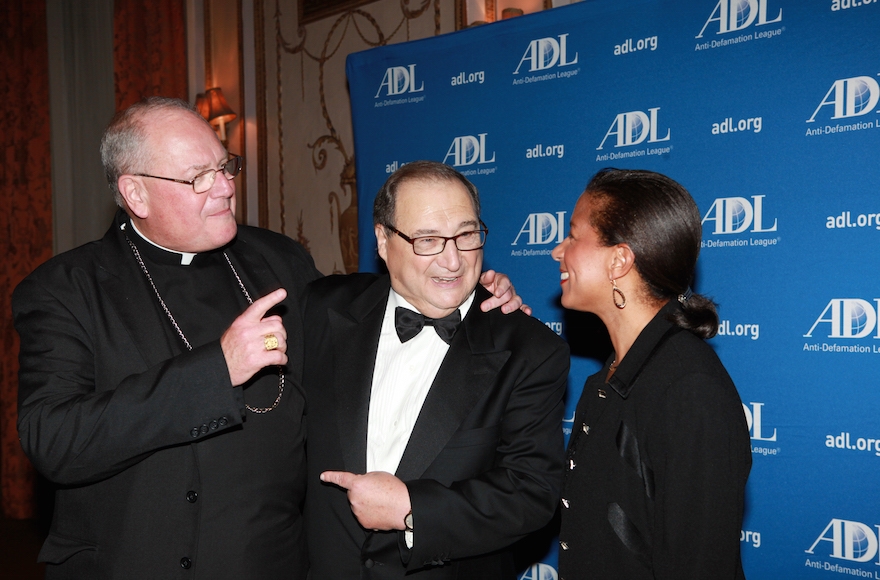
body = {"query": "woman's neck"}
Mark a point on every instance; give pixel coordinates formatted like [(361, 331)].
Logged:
[(625, 325)]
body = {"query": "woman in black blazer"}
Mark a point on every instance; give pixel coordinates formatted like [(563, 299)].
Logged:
[(659, 453)]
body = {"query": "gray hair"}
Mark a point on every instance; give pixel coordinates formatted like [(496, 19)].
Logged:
[(123, 146)]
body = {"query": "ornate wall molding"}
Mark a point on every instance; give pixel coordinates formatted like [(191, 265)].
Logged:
[(354, 29)]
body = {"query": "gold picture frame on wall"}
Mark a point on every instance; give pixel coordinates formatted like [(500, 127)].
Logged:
[(473, 12), (312, 10)]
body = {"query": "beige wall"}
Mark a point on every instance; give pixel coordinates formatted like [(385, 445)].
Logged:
[(310, 151)]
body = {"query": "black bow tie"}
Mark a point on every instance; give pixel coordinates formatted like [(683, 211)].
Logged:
[(409, 323)]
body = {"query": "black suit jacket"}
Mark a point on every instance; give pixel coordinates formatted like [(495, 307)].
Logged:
[(159, 466), (484, 463), (658, 462)]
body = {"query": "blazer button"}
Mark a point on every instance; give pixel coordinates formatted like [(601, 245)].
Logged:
[(185, 563), (194, 432), (223, 421), (214, 424), (203, 429), (192, 496), (368, 563)]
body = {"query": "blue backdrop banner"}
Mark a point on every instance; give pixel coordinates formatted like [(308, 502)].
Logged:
[(767, 111)]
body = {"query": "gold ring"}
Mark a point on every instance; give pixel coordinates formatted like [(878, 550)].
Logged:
[(270, 342)]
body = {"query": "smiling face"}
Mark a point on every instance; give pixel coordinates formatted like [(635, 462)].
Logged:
[(435, 285), (171, 214), (584, 264)]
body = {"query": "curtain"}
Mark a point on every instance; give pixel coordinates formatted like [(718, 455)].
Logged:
[(25, 213), (149, 50), (149, 59)]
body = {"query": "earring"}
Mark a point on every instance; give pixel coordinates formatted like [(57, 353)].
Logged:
[(615, 292)]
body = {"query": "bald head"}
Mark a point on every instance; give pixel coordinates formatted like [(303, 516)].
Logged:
[(125, 147)]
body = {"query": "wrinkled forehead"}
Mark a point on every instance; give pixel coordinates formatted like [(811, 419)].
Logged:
[(424, 196), (171, 122)]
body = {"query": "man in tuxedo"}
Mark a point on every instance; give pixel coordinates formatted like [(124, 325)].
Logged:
[(430, 450), (160, 382)]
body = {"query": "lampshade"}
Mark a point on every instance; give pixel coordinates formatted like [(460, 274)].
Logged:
[(218, 107), (202, 106)]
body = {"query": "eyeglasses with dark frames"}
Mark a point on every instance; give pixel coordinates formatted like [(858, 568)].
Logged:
[(205, 180), (433, 245)]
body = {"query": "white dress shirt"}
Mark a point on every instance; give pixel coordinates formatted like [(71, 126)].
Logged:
[(402, 378)]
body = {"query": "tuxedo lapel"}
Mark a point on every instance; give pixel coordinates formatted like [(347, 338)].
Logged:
[(354, 332), (468, 371)]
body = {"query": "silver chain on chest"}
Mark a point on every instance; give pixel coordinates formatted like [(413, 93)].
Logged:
[(137, 256)]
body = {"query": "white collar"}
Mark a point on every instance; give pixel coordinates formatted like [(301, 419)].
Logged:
[(396, 299), (186, 258)]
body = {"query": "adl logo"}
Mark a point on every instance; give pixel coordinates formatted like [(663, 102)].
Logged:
[(850, 98), (545, 53), (467, 150), (848, 318), (735, 15), (734, 215), (539, 572), (399, 80), (543, 228), (848, 540), (755, 422), (634, 127)]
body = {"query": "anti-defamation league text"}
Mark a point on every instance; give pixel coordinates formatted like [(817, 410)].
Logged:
[(762, 35), (401, 101), (527, 252), (834, 347), (840, 569), (762, 242), (562, 74), (635, 153)]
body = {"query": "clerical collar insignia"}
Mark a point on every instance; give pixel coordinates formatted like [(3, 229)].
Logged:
[(186, 258)]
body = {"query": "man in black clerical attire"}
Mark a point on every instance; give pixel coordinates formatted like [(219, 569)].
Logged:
[(151, 390), (155, 385)]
